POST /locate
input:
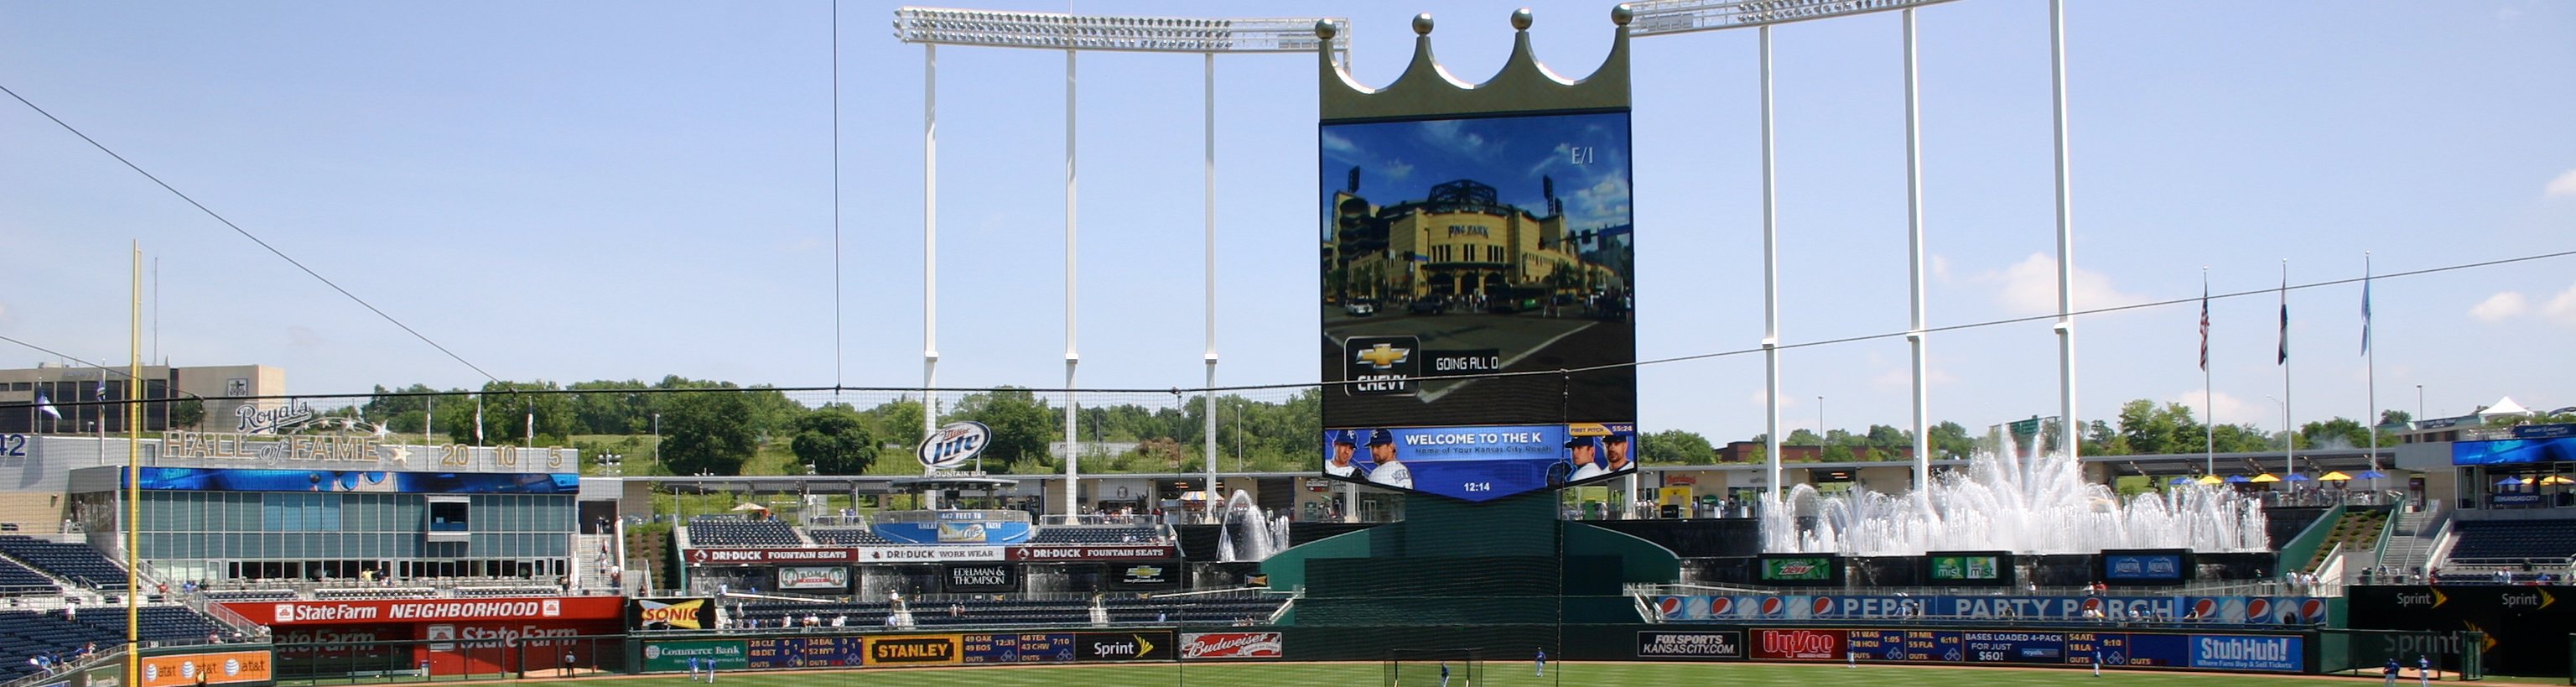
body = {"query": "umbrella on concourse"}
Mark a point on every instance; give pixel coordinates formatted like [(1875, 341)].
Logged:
[(2264, 478), (2239, 479), (2371, 474), (2211, 479), (2186, 479), (2557, 479), (2336, 476), (2299, 477), (2512, 481)]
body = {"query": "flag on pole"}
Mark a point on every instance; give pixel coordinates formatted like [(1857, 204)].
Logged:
[(102, 385), (47, 406), (2365, 310), (2204, 323), (2285, 319), (478, 420)]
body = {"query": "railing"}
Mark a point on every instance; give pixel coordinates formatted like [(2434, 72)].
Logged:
[(937, 516), (1078, 520)]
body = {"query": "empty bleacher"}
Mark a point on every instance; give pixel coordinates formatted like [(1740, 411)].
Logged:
[(1092, 534), (2514, 541), (1006, 610), (76, 562), (725, 531), (848, 536), (232, 595), (27, 633), (16, 579)]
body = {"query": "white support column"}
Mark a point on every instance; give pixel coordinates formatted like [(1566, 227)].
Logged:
[(929, 237), (1072, 357), (1914, 260), (1209, 128), (1770, 288), (2070, 429)]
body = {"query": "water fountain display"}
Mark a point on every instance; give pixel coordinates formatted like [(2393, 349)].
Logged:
[(2039, 505), (1246, 533)]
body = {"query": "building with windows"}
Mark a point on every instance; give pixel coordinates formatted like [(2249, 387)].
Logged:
[(1465, 248), (221, 390)]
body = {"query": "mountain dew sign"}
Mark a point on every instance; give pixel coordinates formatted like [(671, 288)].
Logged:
[(1798, 569)]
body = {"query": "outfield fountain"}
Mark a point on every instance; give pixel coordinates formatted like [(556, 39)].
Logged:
[(2001, 502)]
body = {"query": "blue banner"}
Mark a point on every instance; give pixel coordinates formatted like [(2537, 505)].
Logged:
[(2241, 610), (2513, 451), (2240, 652), (362, 481), (1481, 463)]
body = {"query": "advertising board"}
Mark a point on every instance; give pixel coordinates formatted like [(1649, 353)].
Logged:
[(1457, 251), (671, 613), (218, 668), (2228, 609), (673, 656), (1969, 567), (2513, 451), (2146, 566), (1145, 575), (1152, 645), (911, 650), (1213, 645), (2267, 653), (1113, 552), (1000, 577), (288, 613), (698, 556), (813, 577), (1798, 568), (928, 554), (1723, 645)]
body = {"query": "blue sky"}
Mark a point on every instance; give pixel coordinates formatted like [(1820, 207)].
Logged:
[(581, 190)]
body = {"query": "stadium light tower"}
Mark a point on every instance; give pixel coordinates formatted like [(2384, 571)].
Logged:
[(1669, 17), (1074, 34)]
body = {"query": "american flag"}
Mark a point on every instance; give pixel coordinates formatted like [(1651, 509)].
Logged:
[(2204, 325)]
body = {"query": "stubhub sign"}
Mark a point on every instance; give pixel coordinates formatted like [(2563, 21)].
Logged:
[(2238, 652)]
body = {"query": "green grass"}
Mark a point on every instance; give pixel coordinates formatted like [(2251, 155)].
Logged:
[(1514, 673)]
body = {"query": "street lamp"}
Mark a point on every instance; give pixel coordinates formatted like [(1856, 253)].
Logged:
[(2419, 403)]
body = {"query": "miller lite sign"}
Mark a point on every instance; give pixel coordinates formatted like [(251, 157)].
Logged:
[(953, 445)]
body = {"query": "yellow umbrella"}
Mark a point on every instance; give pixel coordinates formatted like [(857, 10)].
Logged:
[(2211, 479), (2265, 477), (2336, 476), (2557, 479)]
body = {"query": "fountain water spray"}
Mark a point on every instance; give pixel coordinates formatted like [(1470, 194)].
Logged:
[(2039, 506), (1245, 533)]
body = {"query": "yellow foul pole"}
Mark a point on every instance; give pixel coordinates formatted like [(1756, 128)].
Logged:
[(134, 474)]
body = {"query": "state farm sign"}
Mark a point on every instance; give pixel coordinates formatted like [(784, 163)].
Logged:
[(1093, 553), (423, 610), (758, 556)]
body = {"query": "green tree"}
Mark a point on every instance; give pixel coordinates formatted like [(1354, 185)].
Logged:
[(709, 432), (2395, 417), (1951, 441), (2340, 432), (1800, 437), (835, 440), (1675, 447), (2101, 440), (508, 415), (2242, 439), (187, 412), (896, 422), (1022, 426)]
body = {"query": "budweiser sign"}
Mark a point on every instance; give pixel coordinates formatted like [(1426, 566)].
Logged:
[(757, 556), (1093, 553), (1232, 645), (426, 610)]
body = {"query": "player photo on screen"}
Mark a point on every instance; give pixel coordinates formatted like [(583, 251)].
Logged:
[(1481, 463)]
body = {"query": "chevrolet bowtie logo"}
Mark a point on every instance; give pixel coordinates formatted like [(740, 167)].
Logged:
[(1383, 356)]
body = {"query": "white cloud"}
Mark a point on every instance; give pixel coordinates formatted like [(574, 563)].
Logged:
[(2231, 410), (1396, 170), (2500, 307), (2563, 186), (2562, 308), (2029, 287), (1903, 377), (1940, 268), (1337, 143), (1755, 399)]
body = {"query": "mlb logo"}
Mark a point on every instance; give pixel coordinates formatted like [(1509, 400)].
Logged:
[(550, 608), (285, 613)]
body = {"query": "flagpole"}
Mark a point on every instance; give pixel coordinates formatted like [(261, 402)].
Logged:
[(133, 479), (2370, 363), (2208, 397), (2289, 425)]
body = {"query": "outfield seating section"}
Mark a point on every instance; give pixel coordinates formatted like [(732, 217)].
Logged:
[(493, 592), (986, 612), (848, 536), (355, 593), (231, 595), (26, 633), (2514, 540), (705, 531), (76, 562), (16, 579), (1068, 534)]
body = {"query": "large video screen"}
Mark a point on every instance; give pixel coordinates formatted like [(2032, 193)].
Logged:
[(1477, 292), (2514, 451)]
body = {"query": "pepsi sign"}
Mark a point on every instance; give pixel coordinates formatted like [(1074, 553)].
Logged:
[(953, 445)]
